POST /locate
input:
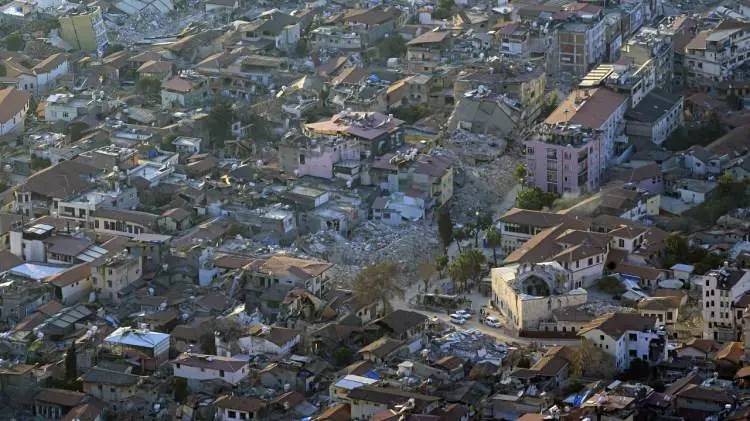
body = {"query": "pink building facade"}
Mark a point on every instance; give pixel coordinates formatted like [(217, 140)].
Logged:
[(565, 159)]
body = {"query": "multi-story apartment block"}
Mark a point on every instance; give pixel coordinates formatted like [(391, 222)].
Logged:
[(85, 30), (425, 52), (599, 109), (581, 42), (651, 48), (112, 275), (713, 54), (722, 290), (565, 159)]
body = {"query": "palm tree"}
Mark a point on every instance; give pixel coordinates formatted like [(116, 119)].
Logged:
[(379, 283), (494, 240), (460, 234)]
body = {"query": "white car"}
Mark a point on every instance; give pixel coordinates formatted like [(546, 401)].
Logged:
[(457, 319), (492, 321), (463, 313)]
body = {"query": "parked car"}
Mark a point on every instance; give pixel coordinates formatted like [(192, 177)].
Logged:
[(457, 319), (464, 313), (492, 321)]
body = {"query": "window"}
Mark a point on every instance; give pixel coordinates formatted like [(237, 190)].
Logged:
[(591, 261), (621, 242), (177, 365), (632, 353), (633, 337), (221, 373), (231, 414)]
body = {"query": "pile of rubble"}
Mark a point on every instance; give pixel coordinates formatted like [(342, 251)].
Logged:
[(599, 308), (374, 242), (472, 345), (129, 30), (484, 173)]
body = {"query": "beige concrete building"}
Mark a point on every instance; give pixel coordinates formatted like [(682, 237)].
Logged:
[(527, 294), (110, 276)]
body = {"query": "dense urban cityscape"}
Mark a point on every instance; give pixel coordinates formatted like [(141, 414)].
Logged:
[(388, 210)]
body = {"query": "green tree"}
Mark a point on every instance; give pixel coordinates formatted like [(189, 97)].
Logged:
[(71, 364), (166, 143), (180, 389), (520, 173), (392, 46), (676, 250), (467, 266), (301, 49), (610, 285), (445, 227), (535, 199), (441, 263), (481, 223), (75, 130), (342, 356), (3, 71), (412, 113), (379, 282), (461, 234), (15, 42), (208, 342), (550, 104), (638, 370), (494, 240), (444, 9), (38, 163), (220, 120), (149, 87)]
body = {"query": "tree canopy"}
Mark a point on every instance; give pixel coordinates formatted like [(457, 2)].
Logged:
[(379, 282), (535, 198), (220, 120), (467, 266), (445, 227)]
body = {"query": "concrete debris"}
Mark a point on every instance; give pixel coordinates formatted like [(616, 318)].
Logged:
[(472, 345), (484, 173), (374, 242), (149, 24), (599, 308)]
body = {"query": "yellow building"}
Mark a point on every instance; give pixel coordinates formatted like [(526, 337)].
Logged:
[(84, 30)]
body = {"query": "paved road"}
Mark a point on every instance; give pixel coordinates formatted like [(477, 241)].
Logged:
[(501, 334)]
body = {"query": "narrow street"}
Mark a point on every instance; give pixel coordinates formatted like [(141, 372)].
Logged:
[(477, 301)]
